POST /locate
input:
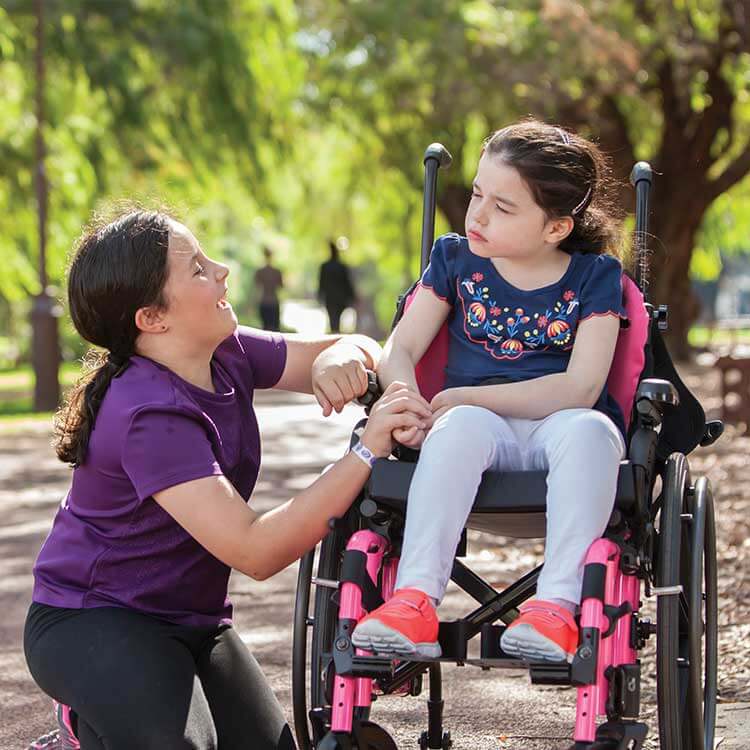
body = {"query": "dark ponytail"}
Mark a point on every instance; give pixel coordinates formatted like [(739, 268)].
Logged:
[(116, 269), (568, 176)]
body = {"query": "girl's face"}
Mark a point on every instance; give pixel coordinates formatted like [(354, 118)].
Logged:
[(503, 220), (197, 310)]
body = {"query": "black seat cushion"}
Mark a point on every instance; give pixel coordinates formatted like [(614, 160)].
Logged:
[(499, 492)]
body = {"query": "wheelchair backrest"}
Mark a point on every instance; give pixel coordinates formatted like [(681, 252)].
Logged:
[(627, 365)]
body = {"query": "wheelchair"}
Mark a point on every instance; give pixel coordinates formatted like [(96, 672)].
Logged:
[(660, 542)]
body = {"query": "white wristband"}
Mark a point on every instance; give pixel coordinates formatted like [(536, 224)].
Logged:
[(364, 454)]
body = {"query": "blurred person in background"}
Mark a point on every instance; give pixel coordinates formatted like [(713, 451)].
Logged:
[(269, 280), (335, 287)]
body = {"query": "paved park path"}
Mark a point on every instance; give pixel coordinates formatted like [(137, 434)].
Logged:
[(483, 709)]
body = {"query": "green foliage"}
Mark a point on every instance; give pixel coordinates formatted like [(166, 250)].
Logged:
[(725, 232), (270, 122), (187, 103)]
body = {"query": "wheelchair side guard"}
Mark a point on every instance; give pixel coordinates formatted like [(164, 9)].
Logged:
[(367, 550), (605, 667)]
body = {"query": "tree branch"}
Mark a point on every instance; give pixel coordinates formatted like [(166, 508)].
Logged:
[(718, 114), (675, 121), (616, 118), (644, 12), (735, 172)]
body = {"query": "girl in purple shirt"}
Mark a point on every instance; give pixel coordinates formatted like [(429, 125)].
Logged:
[(130, 624)]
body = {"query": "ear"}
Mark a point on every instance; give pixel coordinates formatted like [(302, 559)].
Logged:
[(558, 229), (150, 320)]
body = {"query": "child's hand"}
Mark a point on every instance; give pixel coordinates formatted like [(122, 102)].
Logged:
[(397, 410), (411, 437), (446, 400)]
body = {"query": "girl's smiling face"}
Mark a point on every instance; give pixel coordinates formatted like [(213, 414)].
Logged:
[(503, 219), (196, 289)]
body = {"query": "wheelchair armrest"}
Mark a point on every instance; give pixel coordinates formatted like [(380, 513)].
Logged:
[(661, 393)]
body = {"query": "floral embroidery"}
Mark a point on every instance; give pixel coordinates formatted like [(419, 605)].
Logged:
[(519, 331)]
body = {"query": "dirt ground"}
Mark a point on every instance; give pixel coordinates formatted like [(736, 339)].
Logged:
[(483, 709)]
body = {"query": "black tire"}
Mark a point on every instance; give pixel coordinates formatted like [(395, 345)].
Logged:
[(687, 627), (299, 651), (703, 608), (671, 610)]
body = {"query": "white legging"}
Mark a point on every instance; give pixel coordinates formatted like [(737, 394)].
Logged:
[(580, 448)]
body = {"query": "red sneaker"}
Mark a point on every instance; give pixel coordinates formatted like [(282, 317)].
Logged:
[(406, 625), (543, 632)]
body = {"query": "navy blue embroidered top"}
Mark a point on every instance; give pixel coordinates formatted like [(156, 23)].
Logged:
[(499, 331)]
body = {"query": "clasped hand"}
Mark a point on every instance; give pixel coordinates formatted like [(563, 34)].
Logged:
[(413, 436), (400, 414)]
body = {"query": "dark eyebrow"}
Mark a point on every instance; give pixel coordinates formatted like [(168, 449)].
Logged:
[(498, 197)]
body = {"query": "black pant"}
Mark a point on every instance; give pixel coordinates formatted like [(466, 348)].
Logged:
[(270, 316), (334, 315), (135, 681)]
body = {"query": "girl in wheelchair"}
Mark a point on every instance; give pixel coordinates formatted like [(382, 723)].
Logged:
[(532, 297)]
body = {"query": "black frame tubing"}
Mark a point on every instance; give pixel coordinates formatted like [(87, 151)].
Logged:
[(435, 156)]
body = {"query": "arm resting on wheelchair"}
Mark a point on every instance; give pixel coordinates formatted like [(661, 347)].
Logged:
[(578, 387), (411, 338)]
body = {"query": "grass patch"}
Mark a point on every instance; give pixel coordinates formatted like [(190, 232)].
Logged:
[(22, 378), (10, 423), (17, 391), (700, 336)]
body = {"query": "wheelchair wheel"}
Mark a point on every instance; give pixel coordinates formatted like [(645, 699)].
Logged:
[(323, 625), (366, 736), (686, 652), (703, 608), (299, 651)]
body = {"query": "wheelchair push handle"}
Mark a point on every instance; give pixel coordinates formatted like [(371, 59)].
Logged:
[(642, 178), (438, 152), (641, 171), (435, 156)]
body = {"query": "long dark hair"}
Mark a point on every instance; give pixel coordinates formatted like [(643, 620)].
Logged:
[(116, 268), (568, 176)]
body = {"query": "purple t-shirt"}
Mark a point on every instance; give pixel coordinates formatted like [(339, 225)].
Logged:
[(111, 544)]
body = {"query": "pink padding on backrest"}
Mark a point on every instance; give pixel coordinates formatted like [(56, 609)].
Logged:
[(627, 364), (430, 370), (630, 355)]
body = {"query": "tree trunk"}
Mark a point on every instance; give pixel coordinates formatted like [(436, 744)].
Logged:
[(44, 313), (676, 217), (45, 352), (453, 199)]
